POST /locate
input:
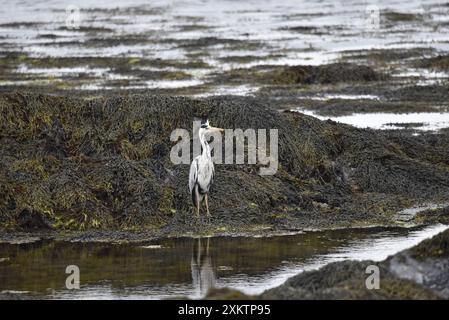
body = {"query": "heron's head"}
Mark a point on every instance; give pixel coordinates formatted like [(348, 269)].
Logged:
[(206, 129)]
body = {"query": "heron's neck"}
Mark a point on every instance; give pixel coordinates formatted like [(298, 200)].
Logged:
[(205, 146)]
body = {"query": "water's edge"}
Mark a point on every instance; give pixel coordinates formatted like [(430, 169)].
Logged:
[(168, 268)]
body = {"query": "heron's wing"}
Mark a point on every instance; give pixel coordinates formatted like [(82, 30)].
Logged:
[(193, 175)]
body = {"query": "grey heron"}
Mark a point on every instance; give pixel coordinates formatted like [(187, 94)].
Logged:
[(202, 170)]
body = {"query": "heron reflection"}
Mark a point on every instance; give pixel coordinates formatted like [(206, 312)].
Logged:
[(203, 274)]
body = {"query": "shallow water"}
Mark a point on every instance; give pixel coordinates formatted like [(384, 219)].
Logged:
[(427, 121), (186, 266), (271, 32)]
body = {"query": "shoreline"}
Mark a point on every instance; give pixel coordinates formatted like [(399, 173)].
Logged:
[(416, 273), (147, 237)]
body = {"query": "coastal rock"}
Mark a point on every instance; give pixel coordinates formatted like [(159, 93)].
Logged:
[(421, 272), (104, 163)]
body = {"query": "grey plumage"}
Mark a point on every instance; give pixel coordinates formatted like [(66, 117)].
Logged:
[(202, 170)]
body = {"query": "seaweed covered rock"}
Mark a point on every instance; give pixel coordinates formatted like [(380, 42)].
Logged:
[(105, 163), (421, 272), (325, 74), (346, 280), (440, 62)]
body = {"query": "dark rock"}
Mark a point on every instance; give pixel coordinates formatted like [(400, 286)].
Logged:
[(324, 74), (421, 272), (31, 220), (440, 62), (104, 163)]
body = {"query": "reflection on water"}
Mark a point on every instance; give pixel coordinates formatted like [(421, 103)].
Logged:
[(186, 266), (203, 274)]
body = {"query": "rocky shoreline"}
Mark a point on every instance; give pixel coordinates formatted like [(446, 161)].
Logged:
[(97, 166), (87, 112), (419, 273)]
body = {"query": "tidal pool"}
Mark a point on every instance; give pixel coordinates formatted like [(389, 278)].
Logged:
[(189, 266), (426, 121)]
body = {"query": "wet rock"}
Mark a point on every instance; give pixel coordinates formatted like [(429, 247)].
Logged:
[(104, 164), (435, 248), (394, 17), (346, 280), (325, 74), (426, 264), (12, 295), (32, 220), (438, 215), (440, 62), (421, 272), (226, 294), (420, 93), (406, 125)]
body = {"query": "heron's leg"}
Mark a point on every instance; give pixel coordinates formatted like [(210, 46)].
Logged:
[(198, 208), (197, 203), (206, 199)]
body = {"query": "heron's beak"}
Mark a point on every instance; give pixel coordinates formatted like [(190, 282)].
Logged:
[(214, 129)]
